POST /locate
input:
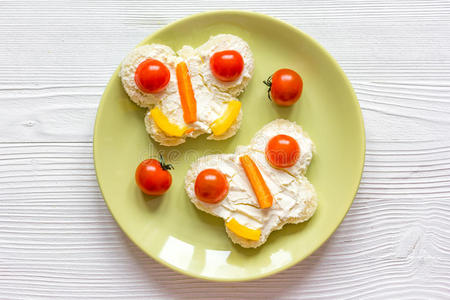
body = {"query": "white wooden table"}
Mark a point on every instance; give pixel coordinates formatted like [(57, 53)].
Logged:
[(57, 238)]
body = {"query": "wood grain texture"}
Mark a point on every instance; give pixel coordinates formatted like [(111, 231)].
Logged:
[(57, 238)]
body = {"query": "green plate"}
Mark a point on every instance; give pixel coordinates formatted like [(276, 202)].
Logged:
[(169, 228)]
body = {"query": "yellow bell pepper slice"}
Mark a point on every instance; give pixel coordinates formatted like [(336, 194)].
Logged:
[(165, 125), (243, 231), (221, 125)]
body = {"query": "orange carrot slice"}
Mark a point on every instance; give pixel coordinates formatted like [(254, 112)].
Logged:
[(188, 102), (257, 182)]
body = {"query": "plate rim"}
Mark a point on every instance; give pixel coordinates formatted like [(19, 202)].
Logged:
[(354, 100)]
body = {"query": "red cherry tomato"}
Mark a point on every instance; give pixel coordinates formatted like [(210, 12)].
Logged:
[(285, 87), (226, 65), (282, 151), (211, 186), (151, 76), (152, 177)]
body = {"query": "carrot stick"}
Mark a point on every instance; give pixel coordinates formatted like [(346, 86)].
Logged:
[(257, 182), (188, 102)]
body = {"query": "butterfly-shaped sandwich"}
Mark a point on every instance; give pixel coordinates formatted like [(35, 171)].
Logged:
[(259, 188), (191, 92)]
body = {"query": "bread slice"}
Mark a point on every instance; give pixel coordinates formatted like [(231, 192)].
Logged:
[(212, 96), (129, 65), (295, 199)]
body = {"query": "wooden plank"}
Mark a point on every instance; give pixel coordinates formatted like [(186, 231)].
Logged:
[(82, 42)]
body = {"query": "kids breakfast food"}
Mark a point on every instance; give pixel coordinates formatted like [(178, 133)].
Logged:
[(259, 188), (285, 87), (191, 92)]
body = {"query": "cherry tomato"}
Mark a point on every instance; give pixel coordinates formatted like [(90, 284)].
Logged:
[(282, 151), (211, 186), (226, 65), (285, 87), (153, 177), (151, 76)]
